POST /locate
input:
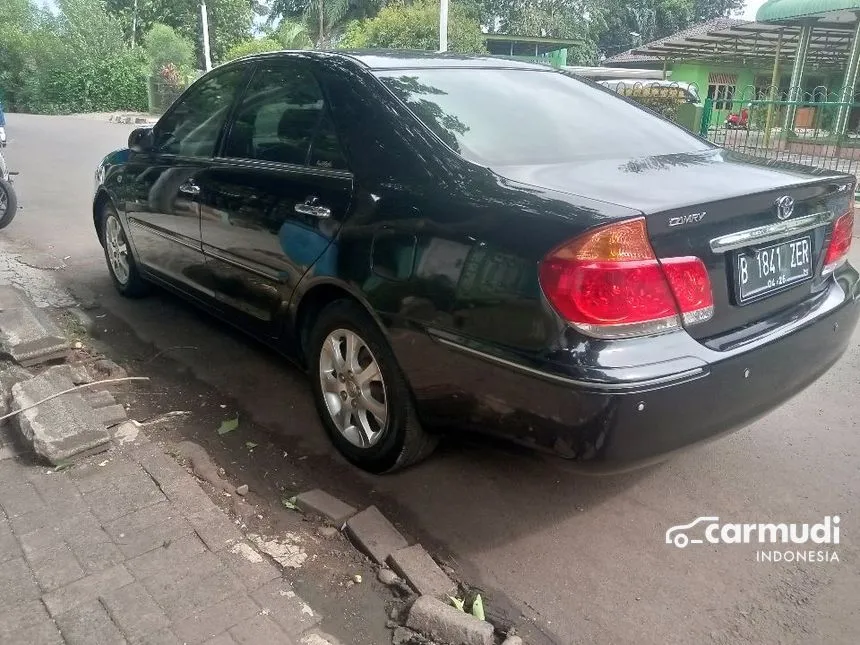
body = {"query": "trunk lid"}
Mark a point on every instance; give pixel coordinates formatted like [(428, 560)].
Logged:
[(695, 204)]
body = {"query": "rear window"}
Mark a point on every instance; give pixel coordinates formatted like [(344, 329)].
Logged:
[(520, 117)]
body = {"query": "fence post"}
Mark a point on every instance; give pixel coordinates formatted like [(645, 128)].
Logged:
[(707, 112)]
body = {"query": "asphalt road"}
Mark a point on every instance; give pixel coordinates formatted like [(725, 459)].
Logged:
[(585, 557)]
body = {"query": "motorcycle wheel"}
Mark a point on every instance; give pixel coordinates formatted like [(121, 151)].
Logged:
[(8, 203)]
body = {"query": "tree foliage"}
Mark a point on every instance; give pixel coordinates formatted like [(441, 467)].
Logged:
[(630, 23), (415, 26), (253, 46), (75, 61), (230, 21), (166, 47)]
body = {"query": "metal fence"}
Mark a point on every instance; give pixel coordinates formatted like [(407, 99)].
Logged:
[(822, 126)]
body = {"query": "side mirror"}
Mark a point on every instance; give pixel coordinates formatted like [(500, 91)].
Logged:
[(141, 140)]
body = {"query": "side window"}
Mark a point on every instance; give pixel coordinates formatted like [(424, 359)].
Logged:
[(192, 127), (283, 118)]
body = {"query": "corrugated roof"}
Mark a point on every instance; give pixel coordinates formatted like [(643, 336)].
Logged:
[(787, 10), (701, 29)]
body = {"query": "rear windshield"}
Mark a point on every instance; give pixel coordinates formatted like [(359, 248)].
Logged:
[(520, 117)]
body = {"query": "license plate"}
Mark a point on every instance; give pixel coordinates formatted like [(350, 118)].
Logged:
[(773, 268)]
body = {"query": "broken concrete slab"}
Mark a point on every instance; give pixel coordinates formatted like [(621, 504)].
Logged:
[(111, 415), (421, 572), (98, 398), (443, 622), (62, 428), (330, 507), (10, 374), (374, 534), (27, 334), (76, 372)]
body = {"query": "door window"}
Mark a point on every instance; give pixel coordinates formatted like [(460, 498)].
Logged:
[(192, 127), (283, 118)]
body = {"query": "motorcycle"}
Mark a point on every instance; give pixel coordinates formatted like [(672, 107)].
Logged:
[(8, 198), (739, 121)]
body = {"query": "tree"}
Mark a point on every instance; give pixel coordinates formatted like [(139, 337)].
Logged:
[(292, 34), (165, 47), (324, 20), (581, 20), (253, 46), (230, 21), (416, 26), (630, 23)]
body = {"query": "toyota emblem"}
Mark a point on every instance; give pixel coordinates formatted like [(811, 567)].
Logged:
[(784, 207)]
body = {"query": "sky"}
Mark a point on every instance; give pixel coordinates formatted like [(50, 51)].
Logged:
[(752, 7)]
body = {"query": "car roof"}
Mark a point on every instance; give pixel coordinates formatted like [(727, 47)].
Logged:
[(382, 59)]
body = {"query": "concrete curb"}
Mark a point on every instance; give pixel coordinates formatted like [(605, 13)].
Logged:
[(136, 120)]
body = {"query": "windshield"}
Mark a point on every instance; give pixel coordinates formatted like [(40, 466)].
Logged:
[(522, 117)]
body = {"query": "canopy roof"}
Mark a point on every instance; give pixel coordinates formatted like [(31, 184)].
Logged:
[(752, 44), (828, 11)]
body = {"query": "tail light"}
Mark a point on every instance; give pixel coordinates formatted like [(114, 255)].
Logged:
[(840, 242), (609, 283)]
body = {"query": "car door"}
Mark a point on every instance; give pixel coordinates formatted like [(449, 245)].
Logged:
[(162, 192), (275, 197)]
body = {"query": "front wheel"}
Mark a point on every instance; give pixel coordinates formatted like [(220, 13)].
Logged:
[(121, 264), (361, 394), (8, 203)]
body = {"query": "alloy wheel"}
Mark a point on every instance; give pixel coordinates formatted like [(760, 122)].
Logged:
[(117, 249), (353, 388)]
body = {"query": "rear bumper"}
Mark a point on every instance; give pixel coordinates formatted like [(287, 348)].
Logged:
[(617, 426)]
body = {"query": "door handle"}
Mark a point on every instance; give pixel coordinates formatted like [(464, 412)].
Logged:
[(189, 188), (311, 207)]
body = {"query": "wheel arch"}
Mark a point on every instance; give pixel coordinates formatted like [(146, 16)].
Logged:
[(101, 199), (314, 299)]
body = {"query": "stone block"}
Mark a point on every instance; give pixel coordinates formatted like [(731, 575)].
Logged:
[(330, 507), (422, 572), (62, 428), (374, 534), (27, 334), (443, 622)]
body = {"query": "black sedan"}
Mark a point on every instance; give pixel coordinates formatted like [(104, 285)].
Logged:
[(465, 242)]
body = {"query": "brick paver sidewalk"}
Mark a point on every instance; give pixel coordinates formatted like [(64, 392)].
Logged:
[(126, 547)]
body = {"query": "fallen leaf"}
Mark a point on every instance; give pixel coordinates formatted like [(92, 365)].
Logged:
[(459, 604), (228, 425), (250, 445), (478, 607), (290, 503)]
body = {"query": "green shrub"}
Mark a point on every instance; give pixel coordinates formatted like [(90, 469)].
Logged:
[(166, 47), (415, 26), (254, 46)]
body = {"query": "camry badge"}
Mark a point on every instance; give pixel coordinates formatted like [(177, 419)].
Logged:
[(692, 218), (784, 207)]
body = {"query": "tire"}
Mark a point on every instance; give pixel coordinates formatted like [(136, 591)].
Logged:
[(401, 441), (128, 282), (11, 201)]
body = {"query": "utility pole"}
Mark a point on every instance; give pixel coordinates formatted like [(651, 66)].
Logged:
[(204, 19), (443, 26), (134, 25)]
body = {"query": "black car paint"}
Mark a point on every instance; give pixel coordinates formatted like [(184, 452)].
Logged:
[(443, 253)]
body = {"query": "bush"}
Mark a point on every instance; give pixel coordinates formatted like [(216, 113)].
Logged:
[(255, 46), (166, 47), (415, 26), (102, 85)]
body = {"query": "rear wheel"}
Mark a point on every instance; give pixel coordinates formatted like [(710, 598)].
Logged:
[(121, 264), (8, 203), (360, 392)]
